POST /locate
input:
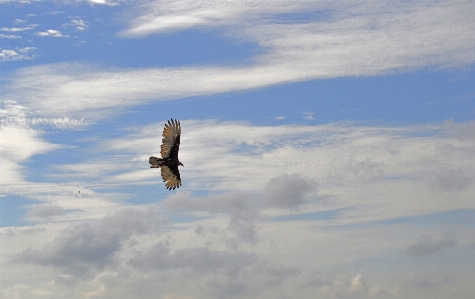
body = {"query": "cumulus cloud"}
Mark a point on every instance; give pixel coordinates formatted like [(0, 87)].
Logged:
[(241, 208), (77, 23), (342, 285), (427, 245), (84, 249), (17, 54), (52, 33), (358, 285), (104, 2)]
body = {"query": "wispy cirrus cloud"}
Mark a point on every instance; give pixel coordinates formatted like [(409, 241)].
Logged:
[(351, 40), (18, 29), (10, 36)]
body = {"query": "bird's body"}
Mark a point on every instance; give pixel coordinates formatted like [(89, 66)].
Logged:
[(169, 151)]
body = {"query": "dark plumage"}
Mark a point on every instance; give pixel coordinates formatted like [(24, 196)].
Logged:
[(169, 150)]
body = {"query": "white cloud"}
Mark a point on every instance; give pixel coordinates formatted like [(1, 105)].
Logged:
[(18, 29), (51, 32), (17, 54), (358, 284), (77, 23), (308, 115), (360, 168), (9, 36), (104, 2), (160, 16), (356, 40), (353, 38), (18, 145)]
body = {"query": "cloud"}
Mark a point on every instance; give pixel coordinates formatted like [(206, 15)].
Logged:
[(44, 211), (352, 40), (288, 191), (60, 123), (330, 285), (426, 245), (429, 282), (9, 36), (453, 180), (308, 115), (226, 274), (77, 23), (360, 169), (51, 32), (200, 261), (84, 249), (463, 131), (18, 29), (357, 36), (239, 206), (18, 145), (358, 285), (17, 54), (104, 2)]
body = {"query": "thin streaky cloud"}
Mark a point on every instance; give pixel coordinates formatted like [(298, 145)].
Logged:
[(10, 36), (348, 46), (18, 29)]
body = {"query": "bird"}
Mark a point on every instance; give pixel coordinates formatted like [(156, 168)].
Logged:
[(169, 162)]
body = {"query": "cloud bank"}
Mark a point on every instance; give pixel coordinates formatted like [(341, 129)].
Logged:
[(350, 40)]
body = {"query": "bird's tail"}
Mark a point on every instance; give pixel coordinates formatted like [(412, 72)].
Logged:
[(155, 162)]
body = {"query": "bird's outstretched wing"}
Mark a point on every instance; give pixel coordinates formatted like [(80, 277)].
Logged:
[(171, 176), (171, 139)]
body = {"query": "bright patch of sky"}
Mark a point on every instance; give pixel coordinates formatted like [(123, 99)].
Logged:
[(329, 149)]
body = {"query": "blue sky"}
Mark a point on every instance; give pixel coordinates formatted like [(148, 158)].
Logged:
[(328, 149)]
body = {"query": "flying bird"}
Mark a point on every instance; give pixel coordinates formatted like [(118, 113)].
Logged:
[(169, 162)]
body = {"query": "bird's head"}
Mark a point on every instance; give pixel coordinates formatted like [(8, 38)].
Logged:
[(179, 163)]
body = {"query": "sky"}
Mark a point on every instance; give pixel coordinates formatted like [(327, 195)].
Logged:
[(329, 149)]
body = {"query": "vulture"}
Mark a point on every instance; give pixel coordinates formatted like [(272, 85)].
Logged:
[(169, 162)]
